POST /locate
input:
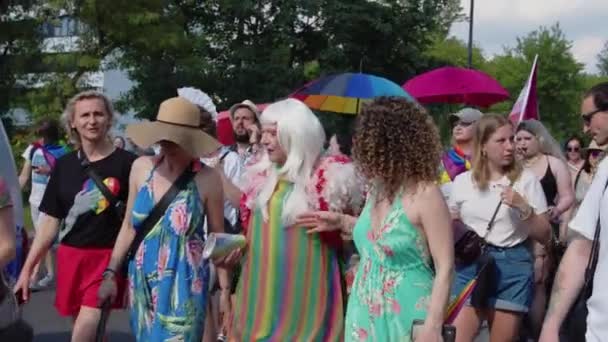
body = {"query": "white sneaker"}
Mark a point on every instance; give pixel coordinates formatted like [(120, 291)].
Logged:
[(45, 282)]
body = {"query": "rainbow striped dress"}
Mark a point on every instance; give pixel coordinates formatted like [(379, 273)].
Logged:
[(290, 288)]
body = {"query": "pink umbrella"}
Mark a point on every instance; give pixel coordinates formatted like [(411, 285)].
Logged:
[(456, 85), (224, 126)]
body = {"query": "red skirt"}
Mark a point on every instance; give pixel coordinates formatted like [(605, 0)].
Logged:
[(79, 275)]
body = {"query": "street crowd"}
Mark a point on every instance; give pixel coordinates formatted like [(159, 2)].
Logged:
[(378, 233)]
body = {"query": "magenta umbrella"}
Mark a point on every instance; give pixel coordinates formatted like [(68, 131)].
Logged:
[(456, 85)]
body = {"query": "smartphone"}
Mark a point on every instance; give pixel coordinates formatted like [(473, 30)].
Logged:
[(448, 331)]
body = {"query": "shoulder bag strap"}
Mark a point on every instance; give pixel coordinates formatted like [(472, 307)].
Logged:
[(158, 211), (224, 155), (595, 246), (86, 164)]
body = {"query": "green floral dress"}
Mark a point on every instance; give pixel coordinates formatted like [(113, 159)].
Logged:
[(393, 284)]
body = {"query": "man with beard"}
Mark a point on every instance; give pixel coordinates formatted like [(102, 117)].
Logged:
[(246, 126)]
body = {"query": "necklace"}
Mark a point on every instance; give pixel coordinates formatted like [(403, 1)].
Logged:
[(531, 161)]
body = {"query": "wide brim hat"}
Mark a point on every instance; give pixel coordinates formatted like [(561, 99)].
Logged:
[(245, 104), (178, 121)]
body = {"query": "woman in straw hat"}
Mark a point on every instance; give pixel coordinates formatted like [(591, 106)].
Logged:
[(168, 276), (91, 223)]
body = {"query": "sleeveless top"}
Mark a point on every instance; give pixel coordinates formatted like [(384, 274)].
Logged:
[(394, 281), (549, 185)]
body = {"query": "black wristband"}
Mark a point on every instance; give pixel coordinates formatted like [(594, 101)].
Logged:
[(108, 271)]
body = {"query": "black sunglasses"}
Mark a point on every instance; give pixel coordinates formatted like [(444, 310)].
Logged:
[(573, 149), (587, 117), (461, 123), (595, 153)]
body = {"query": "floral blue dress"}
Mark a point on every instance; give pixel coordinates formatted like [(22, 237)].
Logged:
[(168, 277)]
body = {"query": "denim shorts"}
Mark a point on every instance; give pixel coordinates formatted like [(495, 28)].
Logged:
[(513, 286)]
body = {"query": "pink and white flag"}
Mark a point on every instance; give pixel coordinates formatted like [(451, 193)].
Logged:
[(526, 106)]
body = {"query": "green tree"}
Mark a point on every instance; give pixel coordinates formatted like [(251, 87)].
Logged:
[(19, 43), (559, 78), (263, 50), (602, 60), (453, 51)]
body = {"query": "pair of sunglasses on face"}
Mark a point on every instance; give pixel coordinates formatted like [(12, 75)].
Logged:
[(573, 149), (595, 153), (587, 117), (461, 124)]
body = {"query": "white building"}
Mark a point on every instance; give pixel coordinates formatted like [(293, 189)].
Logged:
[(62, 36)]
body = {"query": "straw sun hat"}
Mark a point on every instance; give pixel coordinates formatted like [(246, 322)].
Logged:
[(178, 121)]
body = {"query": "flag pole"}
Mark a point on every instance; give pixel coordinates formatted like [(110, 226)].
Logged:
[(470, 47)]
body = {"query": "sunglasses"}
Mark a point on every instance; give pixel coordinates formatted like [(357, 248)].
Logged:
[(461, 124), (595, 153), (573, 149), (587, 117)]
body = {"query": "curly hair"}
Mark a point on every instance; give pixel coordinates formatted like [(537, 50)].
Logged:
[(396, 141)]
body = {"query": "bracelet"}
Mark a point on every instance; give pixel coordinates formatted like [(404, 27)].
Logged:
[(526, 213), (108, 272)]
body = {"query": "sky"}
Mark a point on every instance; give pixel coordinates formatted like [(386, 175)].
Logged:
[(497, 23)]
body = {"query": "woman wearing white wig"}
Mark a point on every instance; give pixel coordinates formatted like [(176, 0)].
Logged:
[(290, 288)]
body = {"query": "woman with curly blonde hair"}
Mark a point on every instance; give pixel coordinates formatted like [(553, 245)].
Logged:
[(404, 227)]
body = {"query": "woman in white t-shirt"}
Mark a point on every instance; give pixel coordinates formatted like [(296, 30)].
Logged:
[(497, 178)]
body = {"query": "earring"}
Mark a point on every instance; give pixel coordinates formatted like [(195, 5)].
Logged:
[(484, 154)]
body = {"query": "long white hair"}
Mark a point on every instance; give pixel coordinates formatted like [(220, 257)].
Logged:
[(301, 137), (547, 144)]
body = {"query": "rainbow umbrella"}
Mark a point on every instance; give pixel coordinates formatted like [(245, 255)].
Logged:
[(344, 93)]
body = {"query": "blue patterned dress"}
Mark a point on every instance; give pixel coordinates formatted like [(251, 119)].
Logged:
[(168, 277)]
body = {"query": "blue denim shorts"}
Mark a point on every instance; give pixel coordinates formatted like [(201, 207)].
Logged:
[(513, 288)]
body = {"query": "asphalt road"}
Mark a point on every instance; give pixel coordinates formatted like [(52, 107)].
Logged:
[(50, 327)]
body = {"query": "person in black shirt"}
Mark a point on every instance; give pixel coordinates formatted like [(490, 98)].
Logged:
[(91, 223)]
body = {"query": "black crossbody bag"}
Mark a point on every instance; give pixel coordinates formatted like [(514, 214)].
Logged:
[(575, 324)]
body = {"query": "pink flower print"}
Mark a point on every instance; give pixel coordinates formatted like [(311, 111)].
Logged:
[(389, 286), (197, 286), (360, 334), (194, 252), (139, 256), (395, 307), (387, 251), (375, 309), (179, 218), (154, 299), (131, 292), (163, 258)]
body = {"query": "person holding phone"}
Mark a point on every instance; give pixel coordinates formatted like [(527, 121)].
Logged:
[(245, 118)]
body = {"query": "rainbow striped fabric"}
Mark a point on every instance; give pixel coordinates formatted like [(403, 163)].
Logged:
[(289, 288)]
